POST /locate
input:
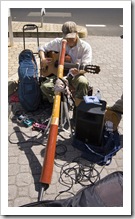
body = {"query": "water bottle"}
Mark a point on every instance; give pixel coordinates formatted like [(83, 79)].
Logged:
[(98, 94)]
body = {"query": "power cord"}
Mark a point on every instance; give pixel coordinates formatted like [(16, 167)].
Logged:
[(78, 173)]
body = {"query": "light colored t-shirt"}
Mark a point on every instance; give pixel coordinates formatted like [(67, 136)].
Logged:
[(81, 53)]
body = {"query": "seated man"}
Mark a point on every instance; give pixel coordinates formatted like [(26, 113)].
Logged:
[(117, 106), (79, 52), (113, 114)]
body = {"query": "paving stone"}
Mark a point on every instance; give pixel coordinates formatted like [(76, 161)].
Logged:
[(13, 151), (24, 168), (23, 159), (13, 169), (23, 179), (119, 163), (11, 180), (119, 154), (13, 160), (23, 191), (21, 201), (12, 192)]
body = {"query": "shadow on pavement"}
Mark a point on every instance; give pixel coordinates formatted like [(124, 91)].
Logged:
[(26, 146)]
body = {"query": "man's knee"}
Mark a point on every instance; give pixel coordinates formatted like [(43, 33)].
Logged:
[(82, 80)]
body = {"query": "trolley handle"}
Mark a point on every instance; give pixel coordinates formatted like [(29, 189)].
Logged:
[(30, 27)]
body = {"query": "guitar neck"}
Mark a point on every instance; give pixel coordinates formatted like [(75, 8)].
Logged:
[(68, 65)]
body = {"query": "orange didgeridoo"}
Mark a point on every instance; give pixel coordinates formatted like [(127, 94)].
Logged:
[(47, 169)]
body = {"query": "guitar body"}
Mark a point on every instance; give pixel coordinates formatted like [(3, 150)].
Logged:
[(52, 67)]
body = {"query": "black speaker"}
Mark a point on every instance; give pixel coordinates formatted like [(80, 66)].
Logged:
[(90, 122)]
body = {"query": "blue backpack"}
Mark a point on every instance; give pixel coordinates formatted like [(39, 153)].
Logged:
[(28, 90)]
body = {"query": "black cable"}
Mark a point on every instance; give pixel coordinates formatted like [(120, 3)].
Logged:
[(22, 142), (77, 174)]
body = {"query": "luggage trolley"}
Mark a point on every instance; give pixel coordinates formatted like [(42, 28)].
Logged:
[(30, 27)]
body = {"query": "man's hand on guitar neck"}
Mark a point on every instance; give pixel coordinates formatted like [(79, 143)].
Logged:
[(74, 71)]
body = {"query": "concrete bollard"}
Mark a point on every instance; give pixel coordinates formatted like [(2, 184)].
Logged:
[(10, 28)]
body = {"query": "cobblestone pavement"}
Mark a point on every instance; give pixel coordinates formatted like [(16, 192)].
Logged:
[(25, 160)]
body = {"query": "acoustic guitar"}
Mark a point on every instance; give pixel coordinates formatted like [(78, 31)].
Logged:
[(51, 67)]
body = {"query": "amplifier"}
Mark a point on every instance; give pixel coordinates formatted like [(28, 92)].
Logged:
[(90, 122)]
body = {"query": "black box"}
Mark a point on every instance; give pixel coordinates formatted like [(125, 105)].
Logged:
[(90, 122)]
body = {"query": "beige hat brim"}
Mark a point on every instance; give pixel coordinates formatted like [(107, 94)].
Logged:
[(70, 35)]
